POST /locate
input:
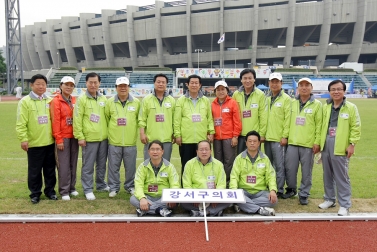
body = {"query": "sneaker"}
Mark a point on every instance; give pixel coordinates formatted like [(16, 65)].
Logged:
[(236, 208), (106, 189), (343, 211), (266, 211), (194, 213), (90, 196), (75, 193), (303, 200), (164, 212), (131, 190), (289, 194), (112, 194), (280, 195), (219, 214), (66, 197), (140, 212), (327, 204)]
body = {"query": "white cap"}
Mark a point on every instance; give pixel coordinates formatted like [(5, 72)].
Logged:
[(221, 83), (66, 79), (305, 79), (275, 76), (122, 80)]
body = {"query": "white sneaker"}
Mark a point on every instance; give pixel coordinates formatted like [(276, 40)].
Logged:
[(131, 190), (112, 194), (90, 196), (343, 211), (327, 204), (267, 211), (66, 197), (75, 193), (106, 189)]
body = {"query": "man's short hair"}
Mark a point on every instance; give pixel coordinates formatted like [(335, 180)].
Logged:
[(156, 142), (38, 76), (194, 76), (92, 74), (160, 75), (252, 133), (248, 70), (203, 141), (336, 82)]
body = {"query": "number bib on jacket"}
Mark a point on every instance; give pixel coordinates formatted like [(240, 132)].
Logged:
[(42, 119), (332, 131), (196, 118), (300, 120), (69, 121), (94, 118), (160, 118), (122, 121), (218, 121), (152, 188), (251, 179), (246, 113)]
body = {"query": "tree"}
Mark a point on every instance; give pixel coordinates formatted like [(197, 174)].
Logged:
[(3, 66)]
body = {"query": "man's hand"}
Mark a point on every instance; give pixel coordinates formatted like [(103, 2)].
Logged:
[(143, 138), (262, 139), (144, 204), (315, 149), (172, 139), (283, 141), (210, 138), (60, 146), (350, 150), (25, 146), (234, 142), (272, 197), (178, 140)]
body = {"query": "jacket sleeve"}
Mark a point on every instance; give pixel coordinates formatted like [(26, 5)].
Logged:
[(187, 176), (55, 119), (220, 177), (139, 182), (174, 180), (177, 118), (355, 126), (211, 127), (287, 117), (22, 121), (143, 113), (270, 177), (235, 174), (262, 116), (318, 124), (107, 112), (78, 114), (237, 124)]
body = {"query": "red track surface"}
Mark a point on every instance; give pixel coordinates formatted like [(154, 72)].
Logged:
[(190, 236)]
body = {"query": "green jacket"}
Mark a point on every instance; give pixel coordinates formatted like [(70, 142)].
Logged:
[(150, 107), (198, 176), (349, 126), (122, 135), (278, 117), (261, 175), (309, 134), (193, 132), (29, 129), (88, 108), (167, 177), (256, 106)]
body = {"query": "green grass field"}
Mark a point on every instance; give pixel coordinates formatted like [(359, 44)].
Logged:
[(14, 193)]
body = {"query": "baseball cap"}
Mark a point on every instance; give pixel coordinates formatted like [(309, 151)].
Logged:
[(221, 83), (275, 76), (305, 79), (66, 79), (122, 80)]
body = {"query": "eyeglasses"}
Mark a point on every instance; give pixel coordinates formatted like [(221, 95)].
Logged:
[(336, 90), (204, 150)]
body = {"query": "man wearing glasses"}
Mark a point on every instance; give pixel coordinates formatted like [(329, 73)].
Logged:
[(341, 130)]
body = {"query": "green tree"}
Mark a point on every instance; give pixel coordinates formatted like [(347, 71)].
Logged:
[(3, 66)]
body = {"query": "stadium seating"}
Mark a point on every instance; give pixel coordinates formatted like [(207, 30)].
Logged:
[(107, 79), (54, 82), (147, 78)]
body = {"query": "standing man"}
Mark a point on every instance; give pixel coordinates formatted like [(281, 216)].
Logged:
[(35, 134), (156, 117), (341, 129), (204, 172), (279, 110), (253, 172), (303, 140), (252, 104), (193, 120), (152, 176), (121, 113), (90, 128)]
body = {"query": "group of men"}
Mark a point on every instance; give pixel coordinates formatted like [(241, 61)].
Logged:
[(292, 130)]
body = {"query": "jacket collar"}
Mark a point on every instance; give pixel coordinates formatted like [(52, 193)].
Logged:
[(165, 93), (148, 160), (330, 100), (90, 96), (130, 98), (200, 94), (311, 99), (209, 161), (227, 98), (280, 93), (244, 154), (242, 89), (34, 96)]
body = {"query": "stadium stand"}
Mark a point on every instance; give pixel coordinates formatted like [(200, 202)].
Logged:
[(147, 78), (107, 78), (54, 82)]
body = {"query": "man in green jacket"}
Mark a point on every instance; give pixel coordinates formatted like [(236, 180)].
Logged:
[(279, 111), (35, 134), (156, 117), (252, 104), (90, 128), (121, 112), (152, 176), (193, 120), (253, 172), (303, 140), (204, 172), (341, 130)]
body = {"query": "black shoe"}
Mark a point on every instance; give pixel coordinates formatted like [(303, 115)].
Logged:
[(52, 197), (34, 200), (289, 194), (280, 195), (303, 200), (219, 214)]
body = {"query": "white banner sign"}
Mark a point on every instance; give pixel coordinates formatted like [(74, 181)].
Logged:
[(229, 73), (203, 195)]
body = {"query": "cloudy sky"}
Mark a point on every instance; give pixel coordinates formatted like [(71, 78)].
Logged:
[(40, 10)]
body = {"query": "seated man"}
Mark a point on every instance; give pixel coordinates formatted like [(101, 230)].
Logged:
[(152, 176), (253, 172), (204, 172)]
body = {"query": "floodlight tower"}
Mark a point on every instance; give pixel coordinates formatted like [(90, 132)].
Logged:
[(13, 46)]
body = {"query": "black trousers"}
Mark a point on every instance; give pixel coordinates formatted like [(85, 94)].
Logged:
[(187, 152), (41, 159)]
